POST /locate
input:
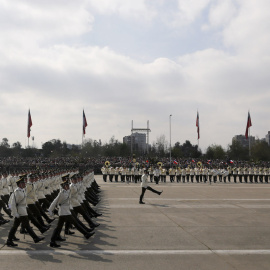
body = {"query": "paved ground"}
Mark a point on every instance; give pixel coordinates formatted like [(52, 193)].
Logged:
[(190, 226)]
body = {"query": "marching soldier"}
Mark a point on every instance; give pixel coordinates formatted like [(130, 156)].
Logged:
[(17, 204), (104, 171), (172, 174), (178, 174), (145, 187), (63, 201), (156, 175), (163, 173)]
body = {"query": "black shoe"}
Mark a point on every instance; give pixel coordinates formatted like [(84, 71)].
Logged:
[(90, 229), (88, 235), (5, 221), (69, 232), (54, 244), (160, 192), (141, 202), (44, 229), (50, 220), (15, 238), (10, 243), (59, 238), (97, 215), (38, 239)]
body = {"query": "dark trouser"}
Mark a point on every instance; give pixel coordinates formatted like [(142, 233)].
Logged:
[(42, 212), (148, 188), (3, 205), (105, 177), (156, 178), (25, 223), (122, 178), (172, 178), (36, 213), (81, 210), (70, 219), (111, 177), (86, 206), (45, 204)]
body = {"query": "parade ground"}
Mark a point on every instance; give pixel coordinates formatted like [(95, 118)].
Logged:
[(190, 226)]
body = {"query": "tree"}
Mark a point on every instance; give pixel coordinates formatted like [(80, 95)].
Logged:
[(161, 145), (215, 152), (237, 151), (177, 150), (4, 143), (260, 150)]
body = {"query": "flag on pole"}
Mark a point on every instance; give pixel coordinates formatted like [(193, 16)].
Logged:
[(249, 124), (29, 124), (84, 123), (198, 125)]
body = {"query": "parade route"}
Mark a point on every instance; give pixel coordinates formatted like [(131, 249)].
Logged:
[(190, 226)]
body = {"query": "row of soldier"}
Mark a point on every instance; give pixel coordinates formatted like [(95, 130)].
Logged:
[(37, 196), (189, 173)]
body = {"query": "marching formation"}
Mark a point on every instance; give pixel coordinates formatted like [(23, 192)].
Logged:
[(37, 196), (194, 173)]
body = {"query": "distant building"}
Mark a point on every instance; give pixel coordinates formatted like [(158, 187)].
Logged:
[(138, 141), (267, 138), (243, 141)]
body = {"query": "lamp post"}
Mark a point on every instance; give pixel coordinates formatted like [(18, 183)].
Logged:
[(170, 142)]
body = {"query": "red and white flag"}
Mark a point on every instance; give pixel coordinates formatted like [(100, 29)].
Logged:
[(198, 125), (84, 123), (29, 124), (249, 124)]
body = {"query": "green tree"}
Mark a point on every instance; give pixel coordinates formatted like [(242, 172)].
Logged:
[(260, 150), (215, 152), (237, 151)]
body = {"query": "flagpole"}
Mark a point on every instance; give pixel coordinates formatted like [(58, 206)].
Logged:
[(249, 137), (82, 131), (170, 143)]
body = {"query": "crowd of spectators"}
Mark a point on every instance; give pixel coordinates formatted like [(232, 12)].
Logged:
[(97, 163)]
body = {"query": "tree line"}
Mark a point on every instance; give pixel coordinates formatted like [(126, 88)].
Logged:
[(260, 150)]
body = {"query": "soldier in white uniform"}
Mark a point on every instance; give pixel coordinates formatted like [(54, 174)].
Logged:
[(156, 175), (63, 202), (145, 187), (172, 174), (17, 204)]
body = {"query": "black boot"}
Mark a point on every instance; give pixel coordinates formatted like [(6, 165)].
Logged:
[(88, 235), (38, 239), (54, 244), (10, 243), (59, 238)]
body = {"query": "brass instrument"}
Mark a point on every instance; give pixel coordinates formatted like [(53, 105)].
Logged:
[(159, 164), (107, 164), (199, 164)]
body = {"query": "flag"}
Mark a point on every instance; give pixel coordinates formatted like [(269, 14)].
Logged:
[(84, 123), (249, 124), (175, 162), (198, 125), (29, 124)]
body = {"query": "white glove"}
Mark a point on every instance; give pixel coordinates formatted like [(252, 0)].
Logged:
[(17, 215)]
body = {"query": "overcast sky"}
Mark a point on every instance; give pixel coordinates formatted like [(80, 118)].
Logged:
[(124, 60)]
